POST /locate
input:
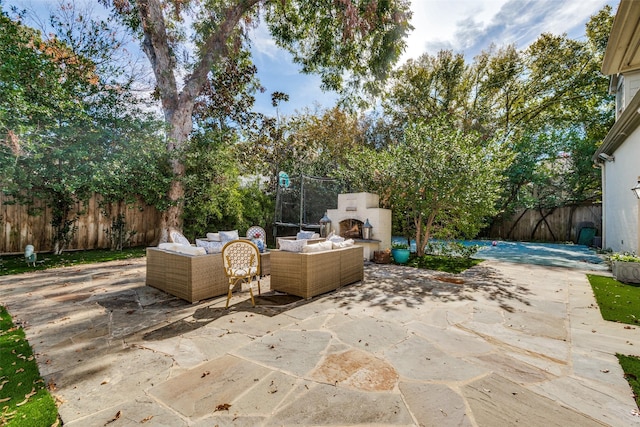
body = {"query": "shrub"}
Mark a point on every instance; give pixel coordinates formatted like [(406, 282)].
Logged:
[(624, 257), (449, 248)]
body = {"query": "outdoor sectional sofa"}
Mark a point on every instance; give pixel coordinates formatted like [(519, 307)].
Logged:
[(191, 277), (309, 274)]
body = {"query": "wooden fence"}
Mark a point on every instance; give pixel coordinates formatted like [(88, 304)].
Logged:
[(548, 225), (21, 227)]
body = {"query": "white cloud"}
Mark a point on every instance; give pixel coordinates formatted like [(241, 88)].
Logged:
[(262, 43), (468, 26)]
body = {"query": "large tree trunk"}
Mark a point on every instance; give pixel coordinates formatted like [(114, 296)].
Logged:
[(181, 127), (177, 105)]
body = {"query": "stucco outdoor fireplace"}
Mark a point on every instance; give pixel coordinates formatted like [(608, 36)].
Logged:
[(355, 213)]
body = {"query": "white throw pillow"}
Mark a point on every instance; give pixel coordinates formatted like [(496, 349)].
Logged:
[(292, 245), (211, 247), (178, 237), (227, 236), (335, 239), (214, 237), (317, 247), (304, 235), (344, 244)]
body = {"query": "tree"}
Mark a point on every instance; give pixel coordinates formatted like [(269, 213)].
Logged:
[(446, 180), (68, 131), (363, 37), (439, 180), (41, 112), (428, 87), (548, 103)]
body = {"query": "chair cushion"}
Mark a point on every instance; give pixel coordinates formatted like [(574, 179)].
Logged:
[(182, 249), (317, 247), (227, 236), (292, 245), (244, 271)]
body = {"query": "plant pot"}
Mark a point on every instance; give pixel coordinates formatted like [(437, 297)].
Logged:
[(627, 272), (381, 257), (400, 256)]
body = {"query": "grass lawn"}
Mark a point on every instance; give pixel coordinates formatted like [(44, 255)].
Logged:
[(631, 367), (15, 264), (620, 302), (448, 264), (24, 398)]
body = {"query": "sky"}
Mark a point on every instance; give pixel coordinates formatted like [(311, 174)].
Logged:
[(464, 26)]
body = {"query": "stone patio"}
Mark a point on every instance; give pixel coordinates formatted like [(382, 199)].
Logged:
[(501, 344)]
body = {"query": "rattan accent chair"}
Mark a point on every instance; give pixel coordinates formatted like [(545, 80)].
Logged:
[(241, 259), (257, 232)]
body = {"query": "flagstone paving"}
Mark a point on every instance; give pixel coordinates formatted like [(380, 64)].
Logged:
[(498, 345)]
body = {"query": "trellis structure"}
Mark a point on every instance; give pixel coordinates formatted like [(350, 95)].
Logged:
[(302, 201)]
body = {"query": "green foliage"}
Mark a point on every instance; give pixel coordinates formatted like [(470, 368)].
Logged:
[(134, 163), (313, 143), (444, 181), (425, 88), (328, 38), (631, 367), (449, 264), (118, 234), (439, 180), (216, 198), (451, 248), (618, 301), (25, 399), (624, 257), (398, 245), (548, 104), (359, 39), (66, 132)]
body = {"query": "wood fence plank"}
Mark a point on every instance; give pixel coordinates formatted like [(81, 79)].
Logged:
[(20, 228)]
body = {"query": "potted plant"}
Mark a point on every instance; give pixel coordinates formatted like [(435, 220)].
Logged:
[(400, 252), (625, 267)]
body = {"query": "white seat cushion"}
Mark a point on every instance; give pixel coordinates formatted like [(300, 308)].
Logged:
[(345, 244), (245, 271), (317, 247)]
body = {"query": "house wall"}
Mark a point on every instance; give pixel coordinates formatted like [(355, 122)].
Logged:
[(620, 205)]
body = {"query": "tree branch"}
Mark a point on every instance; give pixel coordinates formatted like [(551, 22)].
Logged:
[(215, 48)]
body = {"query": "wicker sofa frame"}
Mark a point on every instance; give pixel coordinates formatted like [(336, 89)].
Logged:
[(309, 274), (190, 277)]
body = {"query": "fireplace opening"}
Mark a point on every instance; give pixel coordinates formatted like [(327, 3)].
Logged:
[(351, 228)]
